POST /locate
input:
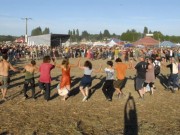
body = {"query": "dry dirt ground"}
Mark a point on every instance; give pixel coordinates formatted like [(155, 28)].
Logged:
[(157, 114)]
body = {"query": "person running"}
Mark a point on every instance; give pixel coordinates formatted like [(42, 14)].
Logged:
[(108, 85), (5, 66), (29, 70), (120, 69), (45, 76), (86, 79), (65, 83), (140, 76)]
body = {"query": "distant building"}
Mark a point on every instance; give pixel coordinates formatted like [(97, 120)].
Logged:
[(48, 39)]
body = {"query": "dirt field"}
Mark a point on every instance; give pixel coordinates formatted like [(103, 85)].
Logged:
[(157, 114)]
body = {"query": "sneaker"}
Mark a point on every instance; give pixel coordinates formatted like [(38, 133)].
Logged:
[(84, 99), (109, 99)]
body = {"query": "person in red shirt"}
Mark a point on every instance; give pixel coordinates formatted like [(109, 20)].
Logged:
[(45, 76)]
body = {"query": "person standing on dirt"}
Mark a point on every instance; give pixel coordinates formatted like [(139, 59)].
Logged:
[(86, 80), (150, 76), (173, 75), (120, 69), (140, 76), (45, 76), (29, 70), (108, 85), (65, 83), (5, 66)]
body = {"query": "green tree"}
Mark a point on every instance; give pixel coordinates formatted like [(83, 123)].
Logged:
[(106, 34), (100, 36), (74, 32), (36, 31), (70, 33), (130, 35), (158, 35), (145, 31), (7, 38), (46, 31), (85, 35), (77, 35)]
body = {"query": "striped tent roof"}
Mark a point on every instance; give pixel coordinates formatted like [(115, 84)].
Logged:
[(167, 44), (147, 41)]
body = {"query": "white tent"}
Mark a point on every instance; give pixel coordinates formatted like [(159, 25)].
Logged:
[(99, 44), (178, 44), (112, 43)]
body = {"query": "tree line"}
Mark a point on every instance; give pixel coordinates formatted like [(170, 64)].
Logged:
[(38, 31), (130, 36), (75, 36)]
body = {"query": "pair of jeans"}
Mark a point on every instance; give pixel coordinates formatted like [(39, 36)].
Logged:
[(174, 79), (32, 86), (108, 89), (46, 88)]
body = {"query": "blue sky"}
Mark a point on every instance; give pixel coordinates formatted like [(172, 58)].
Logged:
[(92, 15)]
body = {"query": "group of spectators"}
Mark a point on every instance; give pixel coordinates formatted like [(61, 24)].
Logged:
[(16, 51)]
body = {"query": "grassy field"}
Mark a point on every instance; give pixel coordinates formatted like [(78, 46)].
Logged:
[(157, 114)]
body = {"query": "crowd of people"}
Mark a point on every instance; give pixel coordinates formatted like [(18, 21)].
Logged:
[(149, 61)]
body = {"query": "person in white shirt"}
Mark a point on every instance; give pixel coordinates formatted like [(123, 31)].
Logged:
[(173, 75), (86, 80), (108, 85)]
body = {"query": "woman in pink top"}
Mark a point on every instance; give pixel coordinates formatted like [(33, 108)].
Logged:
[(45, 76)]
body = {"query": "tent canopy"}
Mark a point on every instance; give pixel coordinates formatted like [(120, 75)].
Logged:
[(114, 41), (128, 45), (147, 41), (167, 44)]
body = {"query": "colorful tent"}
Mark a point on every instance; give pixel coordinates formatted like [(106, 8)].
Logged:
[(167, 44), (20, 40), (114, 41), (128, 45), (147, 41), (99, 44)]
